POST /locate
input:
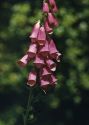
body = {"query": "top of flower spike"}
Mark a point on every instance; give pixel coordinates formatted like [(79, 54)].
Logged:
[(49, 5), (45, 7), (53, 5)]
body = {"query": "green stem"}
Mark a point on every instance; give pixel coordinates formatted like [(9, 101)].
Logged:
[(28, 107)]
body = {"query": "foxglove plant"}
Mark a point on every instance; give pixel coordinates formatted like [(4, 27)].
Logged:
[(42, 50)]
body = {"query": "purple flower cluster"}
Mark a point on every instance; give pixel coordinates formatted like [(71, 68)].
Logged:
[(42, 50)]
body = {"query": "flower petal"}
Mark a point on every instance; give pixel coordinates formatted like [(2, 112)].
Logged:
[(51, 64), (52, 49), (48, 28), (32, 78), (53, 80), (35, 30), (23, 61), (44, 51), (41, 36), (39, 62), (32, 50), (44, 84), (45, 73)]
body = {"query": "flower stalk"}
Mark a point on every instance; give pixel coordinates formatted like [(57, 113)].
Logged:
[(26, 115)]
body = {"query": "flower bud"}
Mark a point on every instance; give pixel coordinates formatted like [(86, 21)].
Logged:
[(52, 20), (48, 29), (45, 7)]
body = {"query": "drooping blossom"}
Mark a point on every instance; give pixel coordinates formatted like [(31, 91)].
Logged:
[(41, 36), (39, 61), (52, 49), (44, 84), (48, 29), (45, 7), (35, 30), (54, 53), (45, 73), (23, 61), (52, 20), (53, 80), (44, 51), (51, 64), (32, 78), (32, 50)]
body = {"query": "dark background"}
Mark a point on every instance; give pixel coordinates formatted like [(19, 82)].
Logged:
[(68, 104)]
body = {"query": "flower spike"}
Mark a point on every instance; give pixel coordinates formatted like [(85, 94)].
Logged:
[(42, 49)]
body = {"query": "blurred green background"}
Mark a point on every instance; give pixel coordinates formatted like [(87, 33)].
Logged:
[(68, 104)]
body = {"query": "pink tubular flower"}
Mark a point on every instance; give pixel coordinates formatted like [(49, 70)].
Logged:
[(41, 36), (53, 5), (51, 19), (32, 79), (45, 7), (44, 84), (48, 29), (44, 51), (39, 62), (53, 80), (23, 61), (51, 64), (45, 74), (35, 30), (52, 49), (32, 50)]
